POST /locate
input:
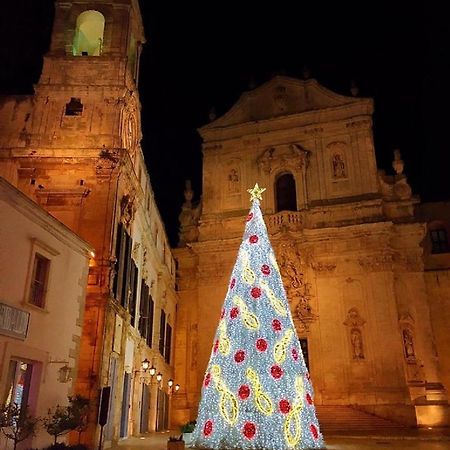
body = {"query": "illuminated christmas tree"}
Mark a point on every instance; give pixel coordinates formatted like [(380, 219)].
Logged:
[(256, 392)]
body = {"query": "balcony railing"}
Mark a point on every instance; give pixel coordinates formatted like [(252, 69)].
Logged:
[(285, 220)]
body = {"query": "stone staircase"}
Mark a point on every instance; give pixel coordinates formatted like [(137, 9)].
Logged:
[(338, 418)]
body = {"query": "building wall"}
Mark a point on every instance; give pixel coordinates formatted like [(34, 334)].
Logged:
[(349, 252), (54, 331), (85, 166)]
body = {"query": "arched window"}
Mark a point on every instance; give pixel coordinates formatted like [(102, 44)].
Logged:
[(88, 39), (285, 196)]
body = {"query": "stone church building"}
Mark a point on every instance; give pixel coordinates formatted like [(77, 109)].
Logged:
[(369, 313), (365, 265)]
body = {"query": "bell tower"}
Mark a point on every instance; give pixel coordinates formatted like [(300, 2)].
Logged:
[(74, 148)]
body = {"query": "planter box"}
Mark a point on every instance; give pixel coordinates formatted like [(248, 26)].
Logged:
[(187, 438)]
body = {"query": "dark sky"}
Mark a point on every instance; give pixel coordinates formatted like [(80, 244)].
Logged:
[(202, 57)]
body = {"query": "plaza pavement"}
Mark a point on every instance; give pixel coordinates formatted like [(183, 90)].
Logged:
[(407, 439)]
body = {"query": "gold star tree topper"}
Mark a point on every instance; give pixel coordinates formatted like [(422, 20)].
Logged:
[(255, 193)]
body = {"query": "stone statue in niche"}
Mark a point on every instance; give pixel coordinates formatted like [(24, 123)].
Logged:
[(233, 181), (189, 216), (127, 209), (408, 344), (357, 344), (339, 170)]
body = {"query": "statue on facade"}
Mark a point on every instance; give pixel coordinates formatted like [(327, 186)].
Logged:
[(189, 216), (233, 181), (357, 345), (338, 166), (408, 343)]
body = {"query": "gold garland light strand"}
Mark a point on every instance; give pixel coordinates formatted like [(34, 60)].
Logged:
[(248, 276), (250, 320), (224, 340), (228, 404), (262, 400), (280, 348), (292, 424), (276, 303)]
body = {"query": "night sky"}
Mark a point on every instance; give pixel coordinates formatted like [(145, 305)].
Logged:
[(197, 58)]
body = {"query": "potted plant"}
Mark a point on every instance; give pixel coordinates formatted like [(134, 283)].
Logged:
[(175, 443), (187, 430)]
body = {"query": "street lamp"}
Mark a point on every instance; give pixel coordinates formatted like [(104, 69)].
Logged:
[(159, 377)]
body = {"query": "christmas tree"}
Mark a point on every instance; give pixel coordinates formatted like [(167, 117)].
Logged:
[(256, 392)]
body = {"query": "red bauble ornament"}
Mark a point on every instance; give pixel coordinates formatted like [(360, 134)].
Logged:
[(265, 269), (253, 239), (244, 392), (234, 312), (208, 428), (233, 282), (261, 345), (239, 356), (284, 406), (249, 430), (309, 399), (207, 379), (216, 346), (294, 354), (249, 217), (276, 325), (314, 431), (276, 372), (255, 292)]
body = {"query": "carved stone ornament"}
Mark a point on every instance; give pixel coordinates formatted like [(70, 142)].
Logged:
[(354, 319), (280, 99), (127, 209), (354, 322), (288, 157), (297, 290), (338, 160), (189, 217), (135, 251), (407, 329)]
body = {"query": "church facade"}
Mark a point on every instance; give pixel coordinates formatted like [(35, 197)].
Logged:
[(349, 243)]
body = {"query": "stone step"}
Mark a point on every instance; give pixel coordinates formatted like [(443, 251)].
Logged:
[(342, 418)]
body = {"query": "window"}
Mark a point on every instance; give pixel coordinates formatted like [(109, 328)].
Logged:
[(88, 38), (168, 343), (41, 267), (123, 282), (18, 383), (285, 195), (151, 312), (439, 241), (162, 332), (74, 107), (143, 309)]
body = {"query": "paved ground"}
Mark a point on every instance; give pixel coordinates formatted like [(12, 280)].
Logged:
[(411, 440)]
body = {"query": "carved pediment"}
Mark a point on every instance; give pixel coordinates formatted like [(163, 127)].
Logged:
[(287, 157), (281, 96)]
